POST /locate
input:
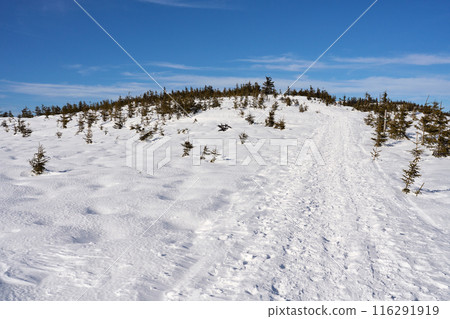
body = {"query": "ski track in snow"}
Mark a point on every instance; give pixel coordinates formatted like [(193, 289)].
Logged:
[(342, 231)]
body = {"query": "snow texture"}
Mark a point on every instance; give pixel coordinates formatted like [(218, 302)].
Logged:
[(91, 228)]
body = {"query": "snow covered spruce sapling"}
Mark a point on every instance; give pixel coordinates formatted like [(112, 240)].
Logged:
[(268, 86), (413, 171), (205, 153), (64, 120), (399, 124), (23, 128), (270, 120), (380, 135), (88, 136), (442, 134), (38, 161)]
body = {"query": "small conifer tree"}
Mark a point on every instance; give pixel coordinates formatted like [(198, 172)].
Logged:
[(23, 128), (268, 86), (261, 102), (270, 120), (442, 134), (91, 118), (80, 123), (205, 153), (413, 171), (64, 120), (39, 160), (398, 125), (380, 136), (88, 136), (369, 119)]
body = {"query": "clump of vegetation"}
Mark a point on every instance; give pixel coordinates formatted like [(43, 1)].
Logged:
[(281, 125), (39, 161), (119, 120), (59, 134), (375, 153), (214, 154), (303, 108), (183, 131), (370, 119), (250, 119), (243, 137), (146, 135), (5, 125), (398, 125), (23, 128), (187, 146), (223, 127)]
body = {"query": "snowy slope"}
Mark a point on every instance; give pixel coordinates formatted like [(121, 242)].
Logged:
[(92, 228)]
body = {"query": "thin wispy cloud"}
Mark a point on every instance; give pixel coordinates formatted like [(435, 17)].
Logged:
[(175, 66), (412, 88), (85, 70), (410, 59), (74, 90), (190, 4), (285, 62)]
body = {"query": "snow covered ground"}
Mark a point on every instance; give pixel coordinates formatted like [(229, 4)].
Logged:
[(92, 228)]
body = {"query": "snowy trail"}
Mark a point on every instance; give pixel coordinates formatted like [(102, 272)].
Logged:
[(329, 232)]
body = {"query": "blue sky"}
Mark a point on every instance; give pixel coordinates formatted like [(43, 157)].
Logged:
[(52, 53)]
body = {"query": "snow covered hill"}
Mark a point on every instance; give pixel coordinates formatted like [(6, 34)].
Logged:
[(330, 225)]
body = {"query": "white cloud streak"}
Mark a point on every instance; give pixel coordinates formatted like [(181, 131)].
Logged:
[(189, 4), (405, 88), (410, 59), (175, 66), (288, 63), (74, 90)]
